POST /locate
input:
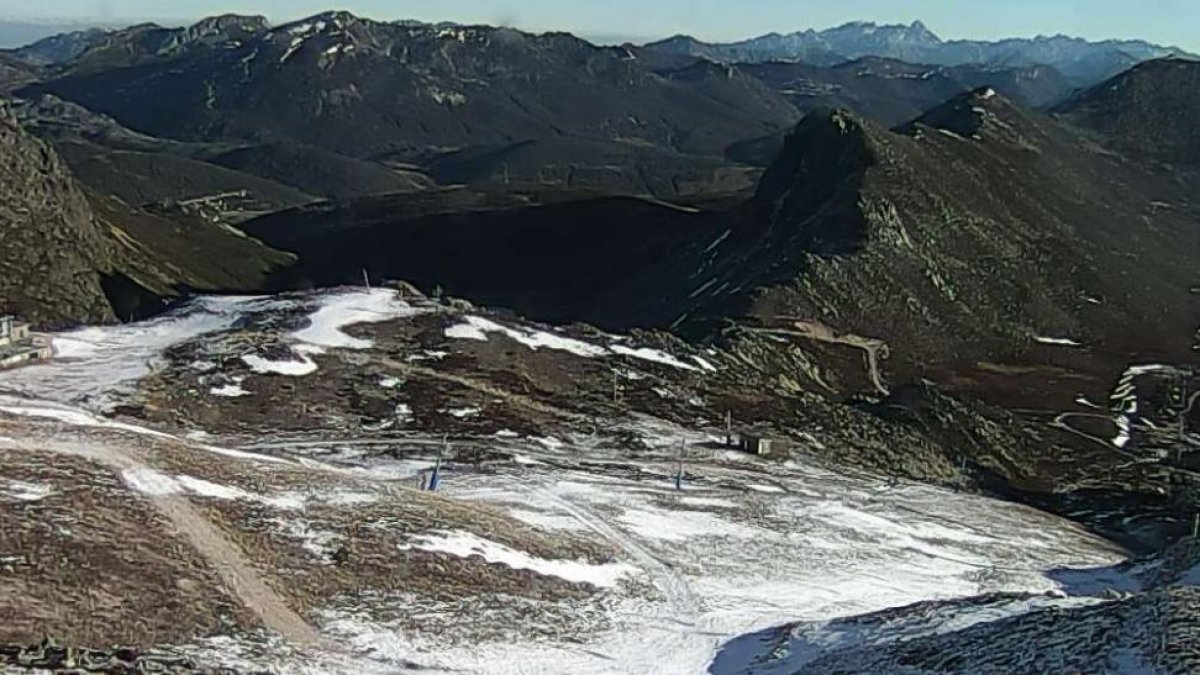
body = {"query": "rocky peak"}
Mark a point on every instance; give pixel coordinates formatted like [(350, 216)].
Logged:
[(214, 31), (232, 26), (323, 22), (969, 115), (810, 191), (227, 22), (919, 31)]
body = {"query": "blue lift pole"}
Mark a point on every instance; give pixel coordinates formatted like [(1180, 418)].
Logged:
[(437, 469)]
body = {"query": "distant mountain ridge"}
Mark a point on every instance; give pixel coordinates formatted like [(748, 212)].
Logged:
[(406, 94), (1148, 111), (1080, 60)]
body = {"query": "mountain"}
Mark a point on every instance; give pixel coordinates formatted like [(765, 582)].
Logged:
[(142, 170), (407, 91), (1145, 112), (850, 217), (21, 34), (767, 48), (1084, 63), (72, 255), (892, 92), (59, 47), (943, 275), (886, 234), (98, 50)]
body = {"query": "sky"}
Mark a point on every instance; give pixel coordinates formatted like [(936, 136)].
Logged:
[(1170, 22)]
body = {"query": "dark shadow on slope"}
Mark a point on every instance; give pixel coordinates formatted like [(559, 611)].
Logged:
[(743, 653), (130, 300), (1096, 581)]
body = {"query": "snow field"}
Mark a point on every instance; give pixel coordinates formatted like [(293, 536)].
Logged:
[(466, 545)]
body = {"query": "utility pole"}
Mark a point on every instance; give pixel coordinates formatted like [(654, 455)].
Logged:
[(437, 468), (1196, 526), (366, 278), (1182, 422), (729, 428), (616, 388), (679, 473)]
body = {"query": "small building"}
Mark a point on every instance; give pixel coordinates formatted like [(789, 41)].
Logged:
[(763, 444), (12, 331), (18, 346)]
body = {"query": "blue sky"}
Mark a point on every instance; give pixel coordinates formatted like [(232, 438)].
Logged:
[(1175, 22)]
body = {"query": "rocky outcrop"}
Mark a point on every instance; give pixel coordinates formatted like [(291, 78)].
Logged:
[(53, 255)]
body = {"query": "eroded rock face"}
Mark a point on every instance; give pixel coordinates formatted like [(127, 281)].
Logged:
[(52, 252)]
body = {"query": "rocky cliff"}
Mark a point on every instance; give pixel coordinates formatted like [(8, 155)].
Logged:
[(54, 255), (70, 256)]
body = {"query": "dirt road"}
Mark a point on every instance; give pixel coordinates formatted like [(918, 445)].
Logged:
[(239, 576)]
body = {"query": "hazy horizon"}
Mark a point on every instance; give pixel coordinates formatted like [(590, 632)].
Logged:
[(1165, 22)]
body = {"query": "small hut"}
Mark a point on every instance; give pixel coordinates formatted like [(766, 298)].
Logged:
[(763, 444), (18, 346)]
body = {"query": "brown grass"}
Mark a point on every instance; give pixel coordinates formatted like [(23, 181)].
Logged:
[(97, 566)]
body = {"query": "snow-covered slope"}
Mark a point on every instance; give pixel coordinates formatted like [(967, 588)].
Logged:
[(568, 553)]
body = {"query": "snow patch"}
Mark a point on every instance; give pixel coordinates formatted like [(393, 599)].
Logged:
[(151, 482), (229, 391), (305, 366), (651, 523), (478, 328), (348, 498), (92, 364), (403, 413), (349, 308), (1061, 342), (205, 488), (465, 545), (657, 356), (320, 544), (549, 442), (716, 502), (766, 488), (23, 491), (202, 366)]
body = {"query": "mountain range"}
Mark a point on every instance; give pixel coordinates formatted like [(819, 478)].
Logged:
[(967, 264), (1081, 61)]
